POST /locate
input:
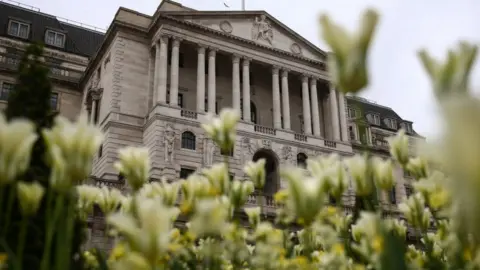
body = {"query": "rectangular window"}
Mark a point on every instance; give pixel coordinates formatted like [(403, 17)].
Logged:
[(18, 29), (206, 106), (179, 99), (391, 123), (54, 38), (5, 90), (181, 60), (227, 153), (393, 196), (351, 113), (185, 173), (376, 119), (351, 132), (54, 101)]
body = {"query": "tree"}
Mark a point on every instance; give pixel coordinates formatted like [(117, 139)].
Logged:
[(30, 99)]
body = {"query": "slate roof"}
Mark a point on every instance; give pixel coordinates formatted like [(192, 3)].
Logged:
[(79, 40), (384, 112)]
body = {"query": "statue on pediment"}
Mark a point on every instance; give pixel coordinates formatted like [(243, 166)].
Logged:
[(262, 29)]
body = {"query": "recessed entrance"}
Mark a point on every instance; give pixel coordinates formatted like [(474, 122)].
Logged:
[(271, 170)]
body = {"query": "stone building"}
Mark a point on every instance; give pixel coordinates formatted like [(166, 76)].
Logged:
[(68, 47), (152, 80)]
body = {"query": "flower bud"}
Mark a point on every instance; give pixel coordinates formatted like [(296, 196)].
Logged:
[(383, 173), (30, 196), (134, 164), (16, 142), (218, 177), (253, 214), (109, 200), (417, 167), (360, 171), (222, 129), (256, 171), (348, 63), (399, 147), (240, 192)]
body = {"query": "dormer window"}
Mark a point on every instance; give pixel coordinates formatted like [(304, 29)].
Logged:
[(352, 113), (54, 38), (18, 29), (391, 123), (373, 119)]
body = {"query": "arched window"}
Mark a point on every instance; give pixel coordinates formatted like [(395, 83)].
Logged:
[(188, 140), (302, 160)]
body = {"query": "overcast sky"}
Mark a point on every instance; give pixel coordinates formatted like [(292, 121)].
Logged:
[(398, 80)]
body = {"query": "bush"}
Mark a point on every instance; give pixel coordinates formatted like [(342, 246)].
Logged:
[(443, 211)]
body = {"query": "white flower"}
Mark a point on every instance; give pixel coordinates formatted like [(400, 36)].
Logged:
[(30, 196), (255, 170), (222, 129), (109, 200), (210, 217), (218, 177), (330, 172), (253, 214), (348, 62), (134, 164), (87, 197), (417, 167), (148, 235), (16, 141), (399, 147), (383, 173), (360, 171), (239, 192), (452, 76), (415, 211), (305, 195), (70, 150)]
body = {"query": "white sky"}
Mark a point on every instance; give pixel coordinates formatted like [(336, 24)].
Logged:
[(398, 81)]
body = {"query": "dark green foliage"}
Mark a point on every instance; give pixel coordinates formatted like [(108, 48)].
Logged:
[(30, 100)]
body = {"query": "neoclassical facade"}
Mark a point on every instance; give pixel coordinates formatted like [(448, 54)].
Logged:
[(156, 78)]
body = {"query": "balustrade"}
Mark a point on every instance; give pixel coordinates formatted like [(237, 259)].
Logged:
[(265, 130)]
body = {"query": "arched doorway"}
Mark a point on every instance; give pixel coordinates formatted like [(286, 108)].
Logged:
[(272, 183)]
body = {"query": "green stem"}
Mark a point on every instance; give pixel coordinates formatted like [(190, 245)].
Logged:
[(2, 191), (21, 240), (65, 255), (50, 231), (11, 198)]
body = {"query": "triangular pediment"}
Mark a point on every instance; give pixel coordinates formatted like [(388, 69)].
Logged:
[(257, 26)]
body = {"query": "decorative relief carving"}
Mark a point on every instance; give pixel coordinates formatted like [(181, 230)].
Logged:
[(262, 30), (267, 144), (208, 152), (248, 149), (287, 154), (226, 27), (296, 49), (169, 139)]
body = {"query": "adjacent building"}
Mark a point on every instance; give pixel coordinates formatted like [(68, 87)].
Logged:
[(152, 80), (68, 48)]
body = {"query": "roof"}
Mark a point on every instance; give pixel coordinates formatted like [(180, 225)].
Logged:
[(79, 40), (384, 112)]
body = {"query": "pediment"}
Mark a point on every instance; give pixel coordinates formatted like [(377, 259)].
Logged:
[(258, 27)]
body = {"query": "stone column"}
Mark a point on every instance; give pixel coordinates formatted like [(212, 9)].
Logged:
[(307, 120), (201, 79), (343, 117), (285, 100), (246, 90), (162, 76), (211, 81), (93, 111), (334, 113), (277, 118), (236, 84), (174, 72), (156, 72), (315, 110)]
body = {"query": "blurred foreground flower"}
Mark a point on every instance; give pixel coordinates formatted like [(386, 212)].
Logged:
[(30, 195), (348, 63), (70, 150), (16, 141), (222, 129), (134, 164)]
